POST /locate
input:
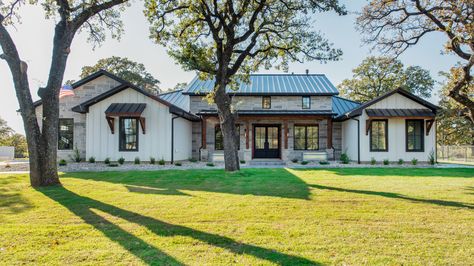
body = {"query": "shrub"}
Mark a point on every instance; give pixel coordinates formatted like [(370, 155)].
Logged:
[(345, 158), (373, 161), (210, 164), (121, 160), (113, 164), (386, 162), (414, 161), (242, 161), (92, 159), (304, 162), (294, 160), (8, 165), (400, 161), (178, 164), (323, 162), (62, 162), (76, 155), (193, 160), (137, 160), (152, 160), (162, 162), (107, 160), (431, 158)]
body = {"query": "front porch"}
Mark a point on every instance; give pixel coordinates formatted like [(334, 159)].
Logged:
[(306, 137)]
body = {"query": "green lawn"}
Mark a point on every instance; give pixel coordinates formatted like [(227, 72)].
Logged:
[(259, 216)]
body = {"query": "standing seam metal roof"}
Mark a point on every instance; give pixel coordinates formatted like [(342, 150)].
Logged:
[(342, 106), (274, 84)]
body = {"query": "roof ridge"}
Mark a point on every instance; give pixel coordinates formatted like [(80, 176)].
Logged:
[(345, 99), (166, 93)]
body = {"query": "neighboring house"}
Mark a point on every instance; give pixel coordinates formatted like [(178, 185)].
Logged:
[(285, 116)]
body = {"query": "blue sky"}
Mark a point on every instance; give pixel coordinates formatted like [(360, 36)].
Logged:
[(34, 38)]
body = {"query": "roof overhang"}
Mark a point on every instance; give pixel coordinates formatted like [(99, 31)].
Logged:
[(400, 113), (264, 94), (327, 113), (125, 109)]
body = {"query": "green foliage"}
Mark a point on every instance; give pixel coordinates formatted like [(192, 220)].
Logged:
[(414, 161), (107, 160), (242, 161), (121, 160), (177, 164), (323, 162), (152, 160), (210, 164), (192, 160), (137, 160), (431, 158), (8, 137), (92, 159), (345, 158), (62, 162), (294, 160), (113, 164), (373, 161), (126, 69), (378, 75), (76, 155), (304, 162), (5, 130), (386, 162), (400, 161), (162, 162)]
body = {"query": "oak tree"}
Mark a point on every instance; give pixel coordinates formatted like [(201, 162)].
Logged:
[(70, 16), (226, 40)]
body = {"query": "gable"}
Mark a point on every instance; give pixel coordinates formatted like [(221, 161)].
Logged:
[(397, 101)]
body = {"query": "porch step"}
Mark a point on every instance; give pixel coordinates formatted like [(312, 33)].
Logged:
[(265, 162)]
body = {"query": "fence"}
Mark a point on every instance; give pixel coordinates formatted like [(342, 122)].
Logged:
[(463, 153)]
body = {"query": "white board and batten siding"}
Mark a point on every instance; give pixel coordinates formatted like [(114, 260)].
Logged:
[(396, 134), (156, 142)]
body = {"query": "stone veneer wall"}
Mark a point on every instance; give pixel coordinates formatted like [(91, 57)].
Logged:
[(82, 94)]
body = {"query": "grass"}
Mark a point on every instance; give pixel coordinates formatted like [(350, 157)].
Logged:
[(259, 216)]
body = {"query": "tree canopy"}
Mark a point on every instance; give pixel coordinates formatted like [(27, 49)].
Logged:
[(127, 69), (393, 26), (378, 75)]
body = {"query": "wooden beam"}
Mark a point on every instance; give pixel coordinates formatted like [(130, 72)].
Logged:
[(142, 124), (247, 133), (110, 121), (429, 124), (329, 129), (368, 126), (280, 117), (402, 117), (203, 132), (285, 125)]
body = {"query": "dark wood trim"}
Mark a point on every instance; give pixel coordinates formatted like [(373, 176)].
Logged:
[(285, 137), (263, 101), (121, 133), (429, 124), (368, 126), (306, 138), (142, 124), (302, 102), (421, 121), (329, 134), (386, 135), (111, 122), (247, 133), (204, 132), (279, 118), (402, 117)]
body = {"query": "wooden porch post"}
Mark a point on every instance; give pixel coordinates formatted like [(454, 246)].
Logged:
[(285, 125), (203, 132), (329, 129), (247, 133)]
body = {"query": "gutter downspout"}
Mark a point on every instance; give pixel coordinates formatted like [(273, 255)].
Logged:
[(172, 138), (358, 140)]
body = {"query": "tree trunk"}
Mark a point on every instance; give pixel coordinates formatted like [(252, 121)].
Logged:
[(228, 128)]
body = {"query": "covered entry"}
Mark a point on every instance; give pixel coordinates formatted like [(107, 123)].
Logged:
[(266, 141)]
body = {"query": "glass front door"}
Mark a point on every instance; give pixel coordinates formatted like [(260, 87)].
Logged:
[(267, 141)]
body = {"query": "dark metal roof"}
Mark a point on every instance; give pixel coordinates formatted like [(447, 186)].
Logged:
[(273, 112), (177, 98), (400, 112), (125, 109), (341, 106), (271, 84)]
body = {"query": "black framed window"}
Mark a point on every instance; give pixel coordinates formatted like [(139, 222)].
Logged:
[(219, 138), (306, 137), (379, 135), (66, 134), (128, 137), (266, 102), (414, 135), (306, 102)]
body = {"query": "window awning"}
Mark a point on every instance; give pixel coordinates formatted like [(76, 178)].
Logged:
[(125, 109), (409, 113)]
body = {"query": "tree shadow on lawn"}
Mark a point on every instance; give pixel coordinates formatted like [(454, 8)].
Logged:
[(258, 182), (84, 207), (10, 198), (398, 196), (408, 172)]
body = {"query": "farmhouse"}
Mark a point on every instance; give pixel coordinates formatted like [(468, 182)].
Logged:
[(280, 117)]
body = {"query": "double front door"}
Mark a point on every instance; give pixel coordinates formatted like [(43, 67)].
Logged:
[(266, 141)]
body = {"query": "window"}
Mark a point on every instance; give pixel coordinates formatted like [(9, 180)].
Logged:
[(414, 135), (66, 134), (219, 138), (379, 135), (306, 102), (128, 137), (266, 102), (306, 137)]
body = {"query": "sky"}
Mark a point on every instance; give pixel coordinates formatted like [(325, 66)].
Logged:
[(34, 36)]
